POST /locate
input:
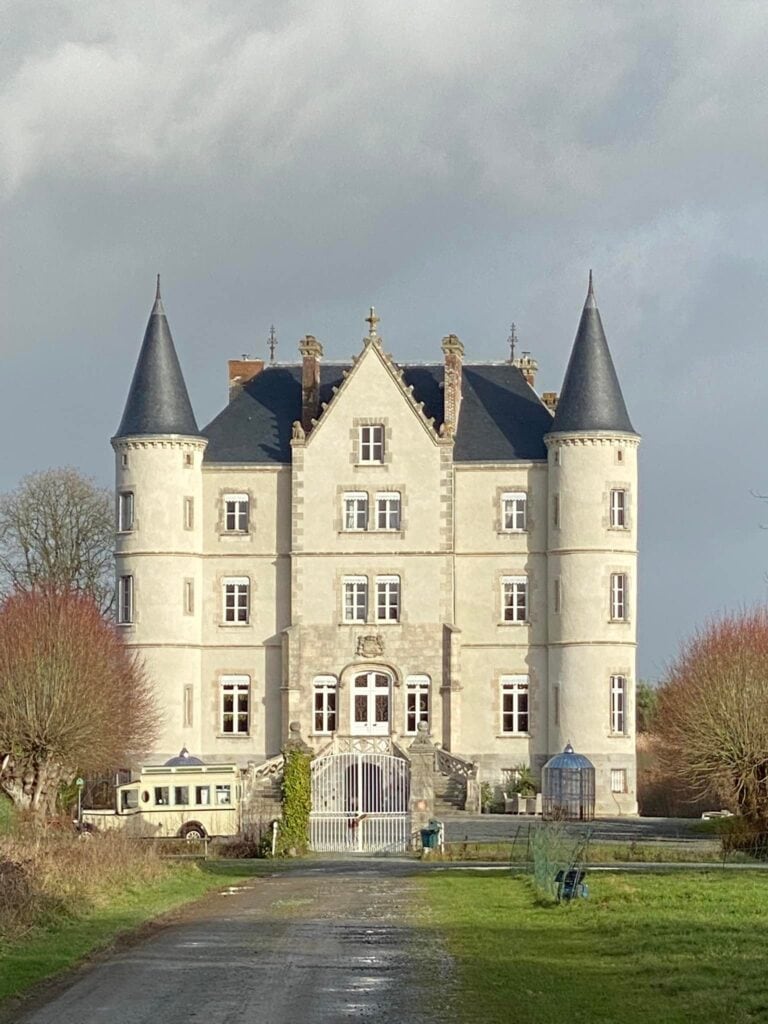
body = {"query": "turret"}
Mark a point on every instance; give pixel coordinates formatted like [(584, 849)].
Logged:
[(159, 510), (592, 567)]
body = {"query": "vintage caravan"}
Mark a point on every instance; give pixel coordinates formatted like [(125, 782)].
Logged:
[(182, 797)]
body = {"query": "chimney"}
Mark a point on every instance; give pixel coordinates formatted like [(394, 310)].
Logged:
[(311, 352), (527, 366), (549, 398), (453, 351), (240, 372)]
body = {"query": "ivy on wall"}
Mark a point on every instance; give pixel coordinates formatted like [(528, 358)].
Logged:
[(293, 835)]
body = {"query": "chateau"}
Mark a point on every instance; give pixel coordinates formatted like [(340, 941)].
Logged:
[(362, 547)]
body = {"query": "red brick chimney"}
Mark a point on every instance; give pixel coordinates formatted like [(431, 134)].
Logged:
[(454, 354), (311, 352), (240, 372)]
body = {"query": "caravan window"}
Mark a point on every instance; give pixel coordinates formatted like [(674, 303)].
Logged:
[(181, 795), (202, 794), (162, 796), (223, 795)]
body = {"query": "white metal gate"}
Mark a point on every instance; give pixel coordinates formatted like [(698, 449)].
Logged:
[(359, 803)]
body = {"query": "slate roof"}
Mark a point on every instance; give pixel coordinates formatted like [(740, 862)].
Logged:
[(501, 419), (591, 398), (158, 402)]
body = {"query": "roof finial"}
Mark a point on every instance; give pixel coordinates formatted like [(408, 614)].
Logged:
[(591, 302), (158, 307), (512, 339), (372, 320), (157, 292), (272, 343)]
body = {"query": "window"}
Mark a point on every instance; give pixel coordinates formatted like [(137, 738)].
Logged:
[(355, 598), (618, 780), (125, 600), (181, 796), (515, 598), (125, 511), (618, 703), (162, 796), (202, 795), (372, 443), (223, 795), (557, 456), (514, 511), (356, 510), (416, 702), (618, 509), (188, 698), (236, 513), (189, 513), (619, 454), (388, 510), (236, 599), (514, 704), (124, 460), (619, 596), (557, 705), (387, 598), (188, 459), (189, 597), (556, 510), (235, 704), (325, 704)]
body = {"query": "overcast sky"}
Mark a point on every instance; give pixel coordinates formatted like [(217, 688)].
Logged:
[(460, 166)]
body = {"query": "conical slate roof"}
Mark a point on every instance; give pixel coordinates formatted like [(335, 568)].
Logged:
[(158, 402), (591, 398)]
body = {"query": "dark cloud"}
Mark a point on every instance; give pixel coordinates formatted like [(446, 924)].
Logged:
[(458, 165)]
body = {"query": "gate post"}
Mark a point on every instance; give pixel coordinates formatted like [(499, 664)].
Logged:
[(422, 755)]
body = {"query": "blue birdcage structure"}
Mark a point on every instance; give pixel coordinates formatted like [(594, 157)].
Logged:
[(568, 787)]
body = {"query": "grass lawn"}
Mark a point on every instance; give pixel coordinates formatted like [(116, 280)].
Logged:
[(659, 949), (46, 951)]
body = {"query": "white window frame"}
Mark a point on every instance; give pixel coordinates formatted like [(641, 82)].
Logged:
[(516, 688), (371, 443), (388, 598), (125, 608), (618, 508), (388, 510), (618, 780), (354, 599), (240, 513), (240, 720), (514, 599), (355, 511), (125, 511), (619, 596), (325, 718), (618, 705), (418, 703), (514, 512), (236, 600)]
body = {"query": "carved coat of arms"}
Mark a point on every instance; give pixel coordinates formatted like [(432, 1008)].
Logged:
[(370, 646)]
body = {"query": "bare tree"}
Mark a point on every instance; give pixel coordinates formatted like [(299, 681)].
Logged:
[(72, 697), (713, 713), (57, 530)]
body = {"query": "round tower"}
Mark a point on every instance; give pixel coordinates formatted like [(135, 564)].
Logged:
[(158, 554), (592, 569)]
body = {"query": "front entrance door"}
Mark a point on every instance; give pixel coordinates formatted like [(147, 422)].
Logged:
[(370, 704)]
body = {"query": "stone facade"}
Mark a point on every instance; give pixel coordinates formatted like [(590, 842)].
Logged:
[(244, 577)]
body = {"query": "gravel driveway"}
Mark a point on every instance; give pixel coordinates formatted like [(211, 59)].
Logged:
[(330, 943)]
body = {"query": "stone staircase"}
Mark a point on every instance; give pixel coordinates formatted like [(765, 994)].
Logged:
[(450, 795)]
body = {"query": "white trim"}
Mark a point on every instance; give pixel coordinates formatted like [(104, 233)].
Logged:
[(517, 687), (239, 684)]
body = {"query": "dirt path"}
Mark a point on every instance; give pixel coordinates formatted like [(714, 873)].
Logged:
[(331, 943)]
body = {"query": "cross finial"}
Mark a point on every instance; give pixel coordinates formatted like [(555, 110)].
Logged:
[(272, 343), (512, 339), (372, 320)]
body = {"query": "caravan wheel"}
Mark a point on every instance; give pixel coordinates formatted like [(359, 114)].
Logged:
[(192, 830)]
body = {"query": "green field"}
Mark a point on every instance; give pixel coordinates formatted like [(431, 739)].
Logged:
[(660, 949)]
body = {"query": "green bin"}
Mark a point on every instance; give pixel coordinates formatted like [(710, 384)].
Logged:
[(429, 838)]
